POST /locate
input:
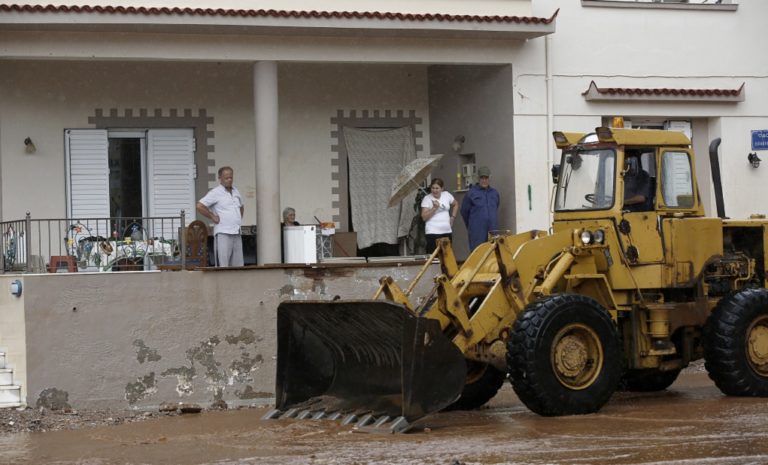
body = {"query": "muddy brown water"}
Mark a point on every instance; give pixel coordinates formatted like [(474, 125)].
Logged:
[(691, 423)]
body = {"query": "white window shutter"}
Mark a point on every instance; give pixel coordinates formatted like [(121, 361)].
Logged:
[(87, 173), (171, 164)]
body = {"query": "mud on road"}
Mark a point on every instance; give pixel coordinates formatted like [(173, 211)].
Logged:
[(691, 423)]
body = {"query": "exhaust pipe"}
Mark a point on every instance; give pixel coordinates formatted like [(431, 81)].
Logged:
[(714, 164)]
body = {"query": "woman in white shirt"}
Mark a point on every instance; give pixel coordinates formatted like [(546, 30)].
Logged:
[(438, 210)]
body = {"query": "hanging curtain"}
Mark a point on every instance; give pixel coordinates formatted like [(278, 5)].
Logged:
[(376, 157)]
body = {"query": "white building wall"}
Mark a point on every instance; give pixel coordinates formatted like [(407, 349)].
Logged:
[(673, 48), (41, 99), (68, 93), (310, 95)]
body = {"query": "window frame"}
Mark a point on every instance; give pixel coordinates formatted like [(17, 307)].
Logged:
[(601, 173), (661, 201)]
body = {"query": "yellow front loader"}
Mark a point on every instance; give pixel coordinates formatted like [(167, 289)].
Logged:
[(630, 285)]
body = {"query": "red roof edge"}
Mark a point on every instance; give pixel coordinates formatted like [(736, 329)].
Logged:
[(130, 10), (675, 92)]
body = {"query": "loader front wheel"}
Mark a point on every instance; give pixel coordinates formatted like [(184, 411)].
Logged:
[(736, 344), (563, 356), (483, 382)]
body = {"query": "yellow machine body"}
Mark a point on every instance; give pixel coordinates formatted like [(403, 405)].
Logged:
[(610, 294)]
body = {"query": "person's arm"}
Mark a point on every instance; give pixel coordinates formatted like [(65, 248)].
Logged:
[(466, 205), (427, 213), (242, 204), (454, 210), (635, 199), (206, 212), (429, 207), (638, 196)]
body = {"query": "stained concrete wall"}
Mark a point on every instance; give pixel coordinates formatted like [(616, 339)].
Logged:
[(135, 340), (12, 329)]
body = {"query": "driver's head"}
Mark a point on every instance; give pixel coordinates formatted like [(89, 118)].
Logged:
[(633, 165)]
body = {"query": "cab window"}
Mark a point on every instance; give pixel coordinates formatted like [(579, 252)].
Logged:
[(677, 180), (586, 180)]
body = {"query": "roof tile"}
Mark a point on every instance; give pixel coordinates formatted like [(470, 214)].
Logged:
[(416, 17), (594, 92)]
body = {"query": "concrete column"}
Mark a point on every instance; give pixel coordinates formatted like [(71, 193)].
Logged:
[(267, 163)]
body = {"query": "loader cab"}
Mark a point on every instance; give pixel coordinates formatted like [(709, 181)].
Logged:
[(627, 181), (617, 171)]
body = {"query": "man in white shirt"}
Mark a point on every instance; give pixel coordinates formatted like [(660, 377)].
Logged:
[(224, 206)]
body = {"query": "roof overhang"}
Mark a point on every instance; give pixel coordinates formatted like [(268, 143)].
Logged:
[(663, 94), (640, 137), (243, 21)]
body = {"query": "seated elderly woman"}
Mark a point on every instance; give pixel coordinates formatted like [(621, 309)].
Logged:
[(289, 217)]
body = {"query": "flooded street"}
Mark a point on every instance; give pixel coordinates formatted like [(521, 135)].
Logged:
[(692, 423)]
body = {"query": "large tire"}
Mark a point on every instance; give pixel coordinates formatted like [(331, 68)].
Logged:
[(483, 382), (563, 356), (736, 344), (647, 380)]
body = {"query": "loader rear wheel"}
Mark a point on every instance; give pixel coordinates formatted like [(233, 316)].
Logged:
[(563, 356), (736, 344), (483, 382), (647, 380)]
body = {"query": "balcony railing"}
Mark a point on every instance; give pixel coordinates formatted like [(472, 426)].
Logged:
[(90, 244)]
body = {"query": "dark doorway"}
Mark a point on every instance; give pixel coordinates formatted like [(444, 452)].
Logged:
[(125, 198)]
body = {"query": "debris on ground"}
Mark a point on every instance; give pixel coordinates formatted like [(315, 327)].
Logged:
[(28, 420)]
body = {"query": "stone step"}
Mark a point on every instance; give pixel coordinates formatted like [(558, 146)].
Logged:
[(6, 376), (10, 395)]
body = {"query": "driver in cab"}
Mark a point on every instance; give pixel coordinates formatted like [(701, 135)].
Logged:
[(637, 186)]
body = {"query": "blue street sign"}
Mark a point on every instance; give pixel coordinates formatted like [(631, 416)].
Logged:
[(760, 139)]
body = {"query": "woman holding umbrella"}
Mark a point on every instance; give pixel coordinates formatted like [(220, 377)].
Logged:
[(438, 210)]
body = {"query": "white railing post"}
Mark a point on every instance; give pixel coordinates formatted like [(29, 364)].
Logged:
[(183, 240), (28, 241)]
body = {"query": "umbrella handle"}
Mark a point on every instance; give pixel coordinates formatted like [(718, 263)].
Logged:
[(419, 186)]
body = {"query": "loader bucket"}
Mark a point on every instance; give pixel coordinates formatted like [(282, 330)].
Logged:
[(364, 357)]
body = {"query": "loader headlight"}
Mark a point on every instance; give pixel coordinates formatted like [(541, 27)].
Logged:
[(586, 237), (599, 236)]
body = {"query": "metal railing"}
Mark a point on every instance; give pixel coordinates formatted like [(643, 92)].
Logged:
[(91, 244)]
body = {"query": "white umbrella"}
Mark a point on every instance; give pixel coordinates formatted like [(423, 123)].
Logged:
[(409, 178)]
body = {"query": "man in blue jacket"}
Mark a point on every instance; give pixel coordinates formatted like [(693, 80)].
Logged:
[(480, 209)]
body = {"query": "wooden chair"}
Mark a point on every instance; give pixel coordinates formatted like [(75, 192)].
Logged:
[(62, 262), (196, 254)]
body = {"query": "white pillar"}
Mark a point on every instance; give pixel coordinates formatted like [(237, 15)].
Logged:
[(267, 163)]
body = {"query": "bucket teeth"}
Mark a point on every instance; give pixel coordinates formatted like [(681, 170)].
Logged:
[(365, 423), (304, 414), (272, 414), (385, 425), (380, 421), (349, 419)]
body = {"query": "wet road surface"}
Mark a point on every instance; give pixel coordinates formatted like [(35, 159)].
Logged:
[(691, 423)]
